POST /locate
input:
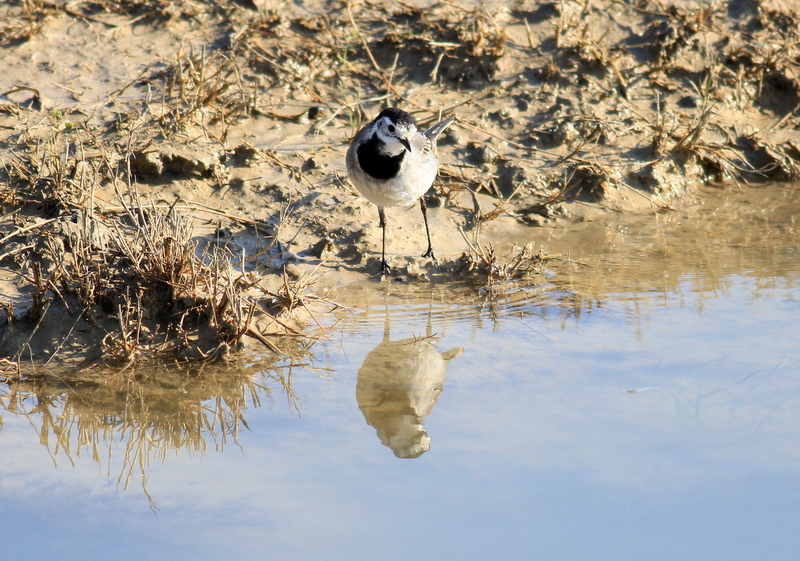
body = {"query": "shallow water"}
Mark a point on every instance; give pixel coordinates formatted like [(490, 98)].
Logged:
[(644, 404)]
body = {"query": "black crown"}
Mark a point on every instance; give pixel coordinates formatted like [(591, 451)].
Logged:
[(398, 116)]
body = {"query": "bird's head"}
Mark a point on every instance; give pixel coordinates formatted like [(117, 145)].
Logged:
[(395, 128)]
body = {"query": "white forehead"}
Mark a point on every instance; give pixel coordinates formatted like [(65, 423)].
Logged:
[(385, 122)]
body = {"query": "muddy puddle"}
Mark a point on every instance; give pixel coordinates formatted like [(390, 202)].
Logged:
[(641, 402)]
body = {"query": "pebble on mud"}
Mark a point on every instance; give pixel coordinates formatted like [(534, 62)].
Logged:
[(482, 154), (323, 246)]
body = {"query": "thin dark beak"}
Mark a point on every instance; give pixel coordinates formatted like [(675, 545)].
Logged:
[(405, 143)]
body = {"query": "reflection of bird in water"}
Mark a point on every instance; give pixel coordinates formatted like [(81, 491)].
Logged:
[(398, 385)]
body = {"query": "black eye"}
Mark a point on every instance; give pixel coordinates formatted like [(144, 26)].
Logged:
[(391, 128)]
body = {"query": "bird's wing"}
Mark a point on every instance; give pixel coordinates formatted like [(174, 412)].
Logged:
[(422, 144)]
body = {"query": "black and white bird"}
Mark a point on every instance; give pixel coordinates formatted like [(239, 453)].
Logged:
[(392, 163)]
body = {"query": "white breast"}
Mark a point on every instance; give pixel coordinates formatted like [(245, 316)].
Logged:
[(413, 180)]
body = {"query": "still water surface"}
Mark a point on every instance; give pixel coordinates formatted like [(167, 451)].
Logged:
[(644, 404)]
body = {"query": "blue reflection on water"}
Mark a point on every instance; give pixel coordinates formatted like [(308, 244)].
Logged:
[(656, 427)]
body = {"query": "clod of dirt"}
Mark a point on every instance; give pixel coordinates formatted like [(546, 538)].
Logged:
[(145, 164), (320, 248), (669, 178), (244, 154), (351, 254), (482, 154), (181, 162)]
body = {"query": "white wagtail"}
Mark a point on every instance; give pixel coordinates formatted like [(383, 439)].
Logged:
[(391, 163)]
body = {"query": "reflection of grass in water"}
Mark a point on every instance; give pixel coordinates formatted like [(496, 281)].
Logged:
[(761, 393), (143, 414)]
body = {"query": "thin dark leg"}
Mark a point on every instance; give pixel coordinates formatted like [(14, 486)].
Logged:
[(429, 252), (384, 264)]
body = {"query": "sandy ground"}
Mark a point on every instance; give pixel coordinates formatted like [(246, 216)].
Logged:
[(237, 117)]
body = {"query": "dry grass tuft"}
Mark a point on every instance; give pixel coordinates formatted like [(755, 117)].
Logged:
[(481, 264), (201, 88), (22, 21), (142, 278)]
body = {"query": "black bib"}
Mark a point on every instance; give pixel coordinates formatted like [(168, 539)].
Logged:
[(374, 163)]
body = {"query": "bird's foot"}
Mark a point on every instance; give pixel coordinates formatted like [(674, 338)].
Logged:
[(385, 269), (429, 253)]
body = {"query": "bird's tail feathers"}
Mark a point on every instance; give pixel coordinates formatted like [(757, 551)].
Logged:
[(436, 129)]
